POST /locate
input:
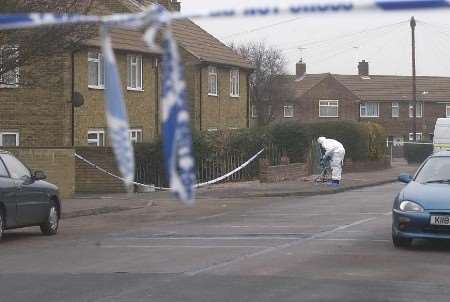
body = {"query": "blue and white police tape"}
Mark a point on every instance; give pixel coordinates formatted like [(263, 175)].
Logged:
[(116, 112), (203, 184)]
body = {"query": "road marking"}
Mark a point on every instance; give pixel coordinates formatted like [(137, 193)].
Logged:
[(182, 246), (276, 248)]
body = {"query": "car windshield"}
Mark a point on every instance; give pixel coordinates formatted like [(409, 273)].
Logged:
[(435, 170)]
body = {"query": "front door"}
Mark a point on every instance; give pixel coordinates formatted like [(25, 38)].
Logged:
[(32, 203)]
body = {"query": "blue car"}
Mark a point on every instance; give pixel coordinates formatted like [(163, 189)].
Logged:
[(422, 208)]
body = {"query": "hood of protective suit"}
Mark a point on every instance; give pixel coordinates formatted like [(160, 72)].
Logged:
[(321, 140)]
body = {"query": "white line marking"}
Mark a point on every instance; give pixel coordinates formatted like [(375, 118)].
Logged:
[(276, 248), (182, 246)]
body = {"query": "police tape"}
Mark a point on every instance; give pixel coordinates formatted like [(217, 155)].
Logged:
[(210, 182), (408, 143)]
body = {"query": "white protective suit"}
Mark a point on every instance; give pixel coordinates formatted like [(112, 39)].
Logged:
[(336, 152)]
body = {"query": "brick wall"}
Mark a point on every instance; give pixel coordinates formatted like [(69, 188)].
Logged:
[(282, 172), (39, 108), (89, 179), (141, 105), (58, 164), (365, 166)]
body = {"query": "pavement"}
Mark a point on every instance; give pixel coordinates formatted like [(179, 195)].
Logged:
[(97, 204)]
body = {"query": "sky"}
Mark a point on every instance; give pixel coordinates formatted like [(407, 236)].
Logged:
[(337, 42)]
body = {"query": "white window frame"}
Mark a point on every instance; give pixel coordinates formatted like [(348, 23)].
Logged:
[(396, 105), (134, 135), (16, 133), (234, 83), (419, 136), (15, 70), (364, 105), (254, 111), (447, 110), (135, 61), (212, 129), (286, 112), (100, 67), (213, 85), (97, 141), (329, 103), (419, 109)]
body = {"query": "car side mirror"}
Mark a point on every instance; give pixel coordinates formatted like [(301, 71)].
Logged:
[(405, 178), (39, 175)]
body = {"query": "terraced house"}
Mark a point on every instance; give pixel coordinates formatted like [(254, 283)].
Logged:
[(67, 109), (384, 99)]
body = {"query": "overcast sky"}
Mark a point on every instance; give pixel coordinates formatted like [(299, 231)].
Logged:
[(335, 43)]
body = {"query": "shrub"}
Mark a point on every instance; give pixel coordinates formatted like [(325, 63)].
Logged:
[(292, 138), (377, 141), (417, 153), (353, 135)]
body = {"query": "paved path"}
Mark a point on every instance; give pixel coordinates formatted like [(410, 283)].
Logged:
[(322, 248)]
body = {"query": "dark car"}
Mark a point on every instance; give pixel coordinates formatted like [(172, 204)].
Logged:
[(25, 199), (422, 208)]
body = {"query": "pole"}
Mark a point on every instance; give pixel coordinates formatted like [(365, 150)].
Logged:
[(414, 88)]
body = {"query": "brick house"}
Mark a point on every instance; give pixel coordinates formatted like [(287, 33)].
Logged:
[(383, 99), (43, 114)]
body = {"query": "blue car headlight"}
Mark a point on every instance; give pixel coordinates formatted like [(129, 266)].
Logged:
[(410, 206)]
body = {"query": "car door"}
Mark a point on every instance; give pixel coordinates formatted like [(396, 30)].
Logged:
[(32, 201), (8, 188)]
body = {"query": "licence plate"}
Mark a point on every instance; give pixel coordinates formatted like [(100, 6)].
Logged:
[(440, 220)]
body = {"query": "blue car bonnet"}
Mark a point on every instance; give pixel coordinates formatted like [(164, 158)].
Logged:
[(430, 196)]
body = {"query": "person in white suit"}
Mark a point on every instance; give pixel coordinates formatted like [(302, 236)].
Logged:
[(335, 152)]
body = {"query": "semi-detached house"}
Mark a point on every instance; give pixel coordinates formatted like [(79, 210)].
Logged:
[(46, 115), (384, 99)]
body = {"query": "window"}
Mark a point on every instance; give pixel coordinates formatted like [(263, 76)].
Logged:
[(96, 138), (369, 109), (419, 110), (16, 169), (3, 171), (96, 70), (9, 138), (212, 129), (135, 135), (10, 78), (395, 109), (447, 110), (134, 64), (288, 111), (418, 137), (254, 111), (234, 82), (212, 81), (328, 108)]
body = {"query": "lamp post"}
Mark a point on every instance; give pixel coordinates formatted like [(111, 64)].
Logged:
[(412, 23)]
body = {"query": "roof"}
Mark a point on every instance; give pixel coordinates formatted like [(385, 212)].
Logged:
[(397, 88), (196, 41), (382, 87), (124, 39)]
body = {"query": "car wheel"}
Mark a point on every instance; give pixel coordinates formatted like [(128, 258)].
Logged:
[(400, 242), (1, 223), (50, 226)]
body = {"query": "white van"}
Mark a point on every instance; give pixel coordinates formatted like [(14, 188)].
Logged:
[(441, 137)]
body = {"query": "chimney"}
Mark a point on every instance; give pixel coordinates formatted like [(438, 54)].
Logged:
[(363, 68), (300, 69), (171, 5)]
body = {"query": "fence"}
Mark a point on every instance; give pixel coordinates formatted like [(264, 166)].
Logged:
[(214, 165)]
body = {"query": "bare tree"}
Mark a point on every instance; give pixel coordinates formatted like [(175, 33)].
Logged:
[(266, 91), (20, 48)]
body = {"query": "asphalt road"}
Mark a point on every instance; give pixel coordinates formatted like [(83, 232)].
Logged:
[(323, 248)]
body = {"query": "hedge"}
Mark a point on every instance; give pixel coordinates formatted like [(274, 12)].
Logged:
[(417, 153), (362, 141)]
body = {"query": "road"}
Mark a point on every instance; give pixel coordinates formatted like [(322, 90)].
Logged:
[(322, 248)]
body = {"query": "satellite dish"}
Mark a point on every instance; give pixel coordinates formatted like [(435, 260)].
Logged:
[(77, 99)]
